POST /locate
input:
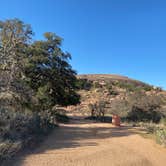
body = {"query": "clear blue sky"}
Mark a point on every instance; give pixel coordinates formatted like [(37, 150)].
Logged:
[(126, 37)]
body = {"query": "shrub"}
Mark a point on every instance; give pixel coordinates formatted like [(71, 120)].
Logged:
[(8, 149), (61, 118), (19, 129), (147, 87), (139, 114), (149, 127), (126, 85), (83, 84), (161, 136), (145, 107), (157, 130), (163, 121), (97, 85), (113, 92), (98, 109)]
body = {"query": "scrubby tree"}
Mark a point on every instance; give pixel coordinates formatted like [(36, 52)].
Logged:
[(98, 109), (50, 74), (146, 107), (34, 77), (35, 68), (14, 40), (140, 106)]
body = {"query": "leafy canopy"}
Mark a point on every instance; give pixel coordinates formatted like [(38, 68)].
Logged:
[(40, 67)]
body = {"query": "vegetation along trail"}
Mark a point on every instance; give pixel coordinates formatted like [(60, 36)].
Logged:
[(86, 143)]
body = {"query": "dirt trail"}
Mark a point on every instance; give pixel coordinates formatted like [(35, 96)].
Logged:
[(83, 143)]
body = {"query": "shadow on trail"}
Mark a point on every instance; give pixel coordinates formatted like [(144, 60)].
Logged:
[(78, 133)]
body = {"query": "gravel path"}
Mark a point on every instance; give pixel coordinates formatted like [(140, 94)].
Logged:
[(83, 143)]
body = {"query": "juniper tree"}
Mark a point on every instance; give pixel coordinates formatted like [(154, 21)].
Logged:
[(38, 68), (50, 74), (14, 39)]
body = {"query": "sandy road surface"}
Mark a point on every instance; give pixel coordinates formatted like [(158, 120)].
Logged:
[(83, 143)]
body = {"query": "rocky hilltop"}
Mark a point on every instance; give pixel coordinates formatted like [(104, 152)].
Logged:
[(111, 78)]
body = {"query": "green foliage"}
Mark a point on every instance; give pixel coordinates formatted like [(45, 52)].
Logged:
[(151, 128), (138, 114), (163, 121), (35, 68), (8, 149), (159, 131), (147, 88), (145, 107), (125, 85), (34, 77), (161, 136), (139, 106), (62, 118), (49, 73), (96, 85), (98, 109), (111, 90), (14, 39), (133, 86), (83, 84), (19, 125), (19, 129), (120, 107), (113, 93)]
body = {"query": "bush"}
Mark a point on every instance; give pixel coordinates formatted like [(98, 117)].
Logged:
[(83, 84), (111, 91), (145, 107), (127, 85), (8, 149), (161, 136), (147, 87), (98, 109), (19, 129), (19, 125), (61, 118), (163, 121), (149, 127), (157, 130), (139, 114)]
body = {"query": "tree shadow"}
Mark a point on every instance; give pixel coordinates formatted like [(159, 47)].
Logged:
[(76, 134)]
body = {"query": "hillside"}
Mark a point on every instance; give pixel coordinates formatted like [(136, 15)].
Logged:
[(103, 76), (115, 94), (82, 141), (111, 78)]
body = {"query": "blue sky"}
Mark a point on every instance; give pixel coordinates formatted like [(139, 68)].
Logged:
[(126, 37)]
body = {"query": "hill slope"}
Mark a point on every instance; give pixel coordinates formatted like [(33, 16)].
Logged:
[(111, 78), (115, 94)]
